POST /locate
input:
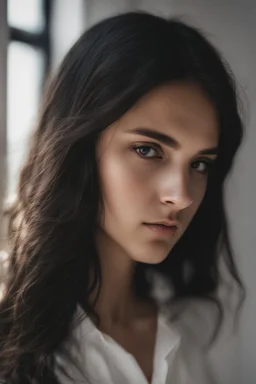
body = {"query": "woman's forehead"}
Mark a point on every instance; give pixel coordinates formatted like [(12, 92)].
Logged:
[(180, 110)]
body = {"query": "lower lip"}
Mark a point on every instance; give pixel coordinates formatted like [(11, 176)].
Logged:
[(162, 229)]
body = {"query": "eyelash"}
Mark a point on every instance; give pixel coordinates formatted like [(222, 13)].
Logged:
[(155, 147), (208, 163)]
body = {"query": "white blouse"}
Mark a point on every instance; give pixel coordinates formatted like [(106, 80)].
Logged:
[(180, 356)]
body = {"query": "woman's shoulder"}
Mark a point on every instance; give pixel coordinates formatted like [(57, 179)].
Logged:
[(201, 321), (211, 343)]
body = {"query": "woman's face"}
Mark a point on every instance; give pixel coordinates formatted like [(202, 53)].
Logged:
[(153, 166)]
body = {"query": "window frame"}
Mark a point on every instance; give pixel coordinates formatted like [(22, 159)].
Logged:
[(38, 39)]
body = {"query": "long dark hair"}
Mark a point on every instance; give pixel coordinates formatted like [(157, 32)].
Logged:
[(52, 226)]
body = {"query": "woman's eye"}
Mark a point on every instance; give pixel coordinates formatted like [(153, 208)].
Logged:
[(146, 151), (202, 166)]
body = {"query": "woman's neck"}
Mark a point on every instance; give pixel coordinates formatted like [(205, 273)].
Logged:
[(117, 302)]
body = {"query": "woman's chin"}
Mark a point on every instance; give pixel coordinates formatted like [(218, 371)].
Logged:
[(152, 258)]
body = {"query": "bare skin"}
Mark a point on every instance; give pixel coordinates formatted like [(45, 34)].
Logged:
[(137, 338), (145, 180)]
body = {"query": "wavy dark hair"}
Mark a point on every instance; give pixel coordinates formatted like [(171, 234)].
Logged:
[(52, 226)]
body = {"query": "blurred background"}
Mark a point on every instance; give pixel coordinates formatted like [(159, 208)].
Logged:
[(34, 37)]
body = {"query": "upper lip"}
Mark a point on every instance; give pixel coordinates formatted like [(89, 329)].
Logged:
[(167, 223)]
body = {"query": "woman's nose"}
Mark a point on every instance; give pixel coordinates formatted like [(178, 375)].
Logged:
[(176, 191)]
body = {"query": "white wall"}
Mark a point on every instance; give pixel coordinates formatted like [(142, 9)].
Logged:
[(68, 22), (231, 25), (99, 9)]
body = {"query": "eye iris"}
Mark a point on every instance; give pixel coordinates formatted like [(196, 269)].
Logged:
[(144, 150), (200, 166)]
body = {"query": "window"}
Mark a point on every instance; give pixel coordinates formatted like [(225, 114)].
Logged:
[(28, 60), (26, 15), (27, 65)]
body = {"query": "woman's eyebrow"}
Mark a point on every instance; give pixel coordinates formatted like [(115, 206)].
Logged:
[(168, 140)]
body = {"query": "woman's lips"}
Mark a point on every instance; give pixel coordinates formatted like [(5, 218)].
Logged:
[(162, 229)]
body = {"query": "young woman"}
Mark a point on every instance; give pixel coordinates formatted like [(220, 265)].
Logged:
[(119, 236)]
